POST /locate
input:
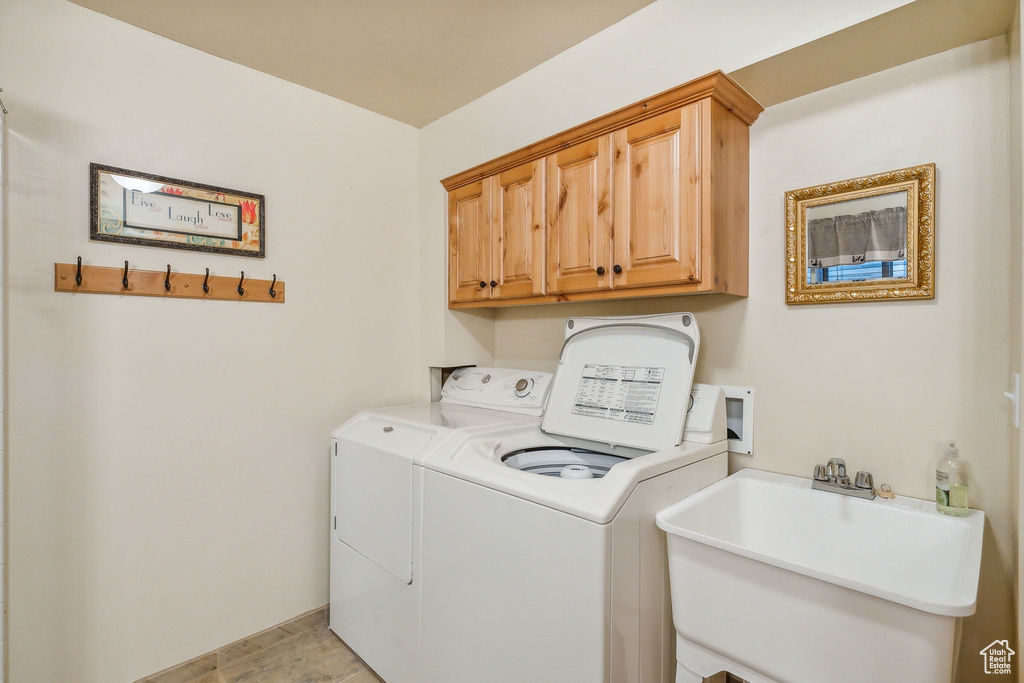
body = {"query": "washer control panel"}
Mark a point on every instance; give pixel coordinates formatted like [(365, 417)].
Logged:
[(705, 416), (523, 386), (517, 391)]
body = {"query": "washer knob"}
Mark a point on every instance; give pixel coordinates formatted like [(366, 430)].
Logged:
[(523, 387)]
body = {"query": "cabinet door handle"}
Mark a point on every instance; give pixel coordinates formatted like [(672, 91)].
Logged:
[(600, 270), (493, 283), (616, 269), (482, 284)]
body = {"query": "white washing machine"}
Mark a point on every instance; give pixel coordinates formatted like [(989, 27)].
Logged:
[(527, 550)]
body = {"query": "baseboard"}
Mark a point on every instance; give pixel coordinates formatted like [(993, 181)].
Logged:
[(204, 664)]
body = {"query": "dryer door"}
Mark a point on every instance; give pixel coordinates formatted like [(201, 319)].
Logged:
[(373, 491)]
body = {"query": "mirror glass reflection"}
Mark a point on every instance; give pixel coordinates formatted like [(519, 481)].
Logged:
[(858, 240)]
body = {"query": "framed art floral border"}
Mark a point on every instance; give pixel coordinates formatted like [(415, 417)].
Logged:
[(151, 210)]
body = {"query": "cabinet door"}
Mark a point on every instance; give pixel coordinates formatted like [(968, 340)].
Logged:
[(469, 242), (579, 217), (657, 199), (517, 234)]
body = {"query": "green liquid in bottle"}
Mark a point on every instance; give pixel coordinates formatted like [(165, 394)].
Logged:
[(951, 483), (957, 500)]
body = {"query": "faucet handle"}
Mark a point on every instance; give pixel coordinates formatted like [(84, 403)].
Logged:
[(835, 468), (864, 480), (819, 473)]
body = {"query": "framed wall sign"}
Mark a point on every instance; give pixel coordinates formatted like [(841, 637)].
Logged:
[(145, 209)]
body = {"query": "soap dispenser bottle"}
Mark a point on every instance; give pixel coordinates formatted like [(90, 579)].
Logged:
[(951, 482)]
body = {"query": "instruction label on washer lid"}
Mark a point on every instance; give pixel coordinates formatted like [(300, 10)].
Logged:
[(619, 392)]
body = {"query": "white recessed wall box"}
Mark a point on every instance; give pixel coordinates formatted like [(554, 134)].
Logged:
[(739, 419)]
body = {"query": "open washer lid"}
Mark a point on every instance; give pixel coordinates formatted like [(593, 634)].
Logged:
[(624, 381)]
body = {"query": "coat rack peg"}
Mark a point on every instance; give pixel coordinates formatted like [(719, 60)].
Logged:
[(76, 278)]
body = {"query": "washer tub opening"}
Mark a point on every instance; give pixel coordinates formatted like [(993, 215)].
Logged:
[(562, 461)]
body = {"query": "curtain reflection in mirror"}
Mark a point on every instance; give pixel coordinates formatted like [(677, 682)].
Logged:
[(866, 245)]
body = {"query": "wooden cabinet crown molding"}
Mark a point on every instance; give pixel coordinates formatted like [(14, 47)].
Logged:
[(715, 85)]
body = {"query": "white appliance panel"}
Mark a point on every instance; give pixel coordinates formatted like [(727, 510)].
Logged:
[(373, 492), (705, 420), (479, 459), (624, 381), (512, 591), (373, 612), (515, 391)]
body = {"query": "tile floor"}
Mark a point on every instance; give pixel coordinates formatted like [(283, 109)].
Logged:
[(301, 651)]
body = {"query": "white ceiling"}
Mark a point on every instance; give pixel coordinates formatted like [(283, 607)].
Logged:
[(410, 60)]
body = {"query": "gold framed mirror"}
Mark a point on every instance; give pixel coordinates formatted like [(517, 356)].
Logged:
[(863, 239)]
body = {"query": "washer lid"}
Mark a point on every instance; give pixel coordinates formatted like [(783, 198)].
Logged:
[(624, 381)]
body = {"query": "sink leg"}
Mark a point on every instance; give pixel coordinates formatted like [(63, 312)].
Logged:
[(684, 675)]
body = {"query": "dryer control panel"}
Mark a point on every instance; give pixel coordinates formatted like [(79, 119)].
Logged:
[(515, 391)]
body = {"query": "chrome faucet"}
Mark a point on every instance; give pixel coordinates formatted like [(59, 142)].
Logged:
[(832, 477)]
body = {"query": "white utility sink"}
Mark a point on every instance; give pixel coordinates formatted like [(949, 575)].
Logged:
[(773, 581)]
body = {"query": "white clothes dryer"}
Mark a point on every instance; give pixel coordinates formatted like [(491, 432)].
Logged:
[(376, 507)]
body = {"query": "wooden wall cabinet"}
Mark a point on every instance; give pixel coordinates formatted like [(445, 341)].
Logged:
[(650, 200), (579, 228), (496, 237)]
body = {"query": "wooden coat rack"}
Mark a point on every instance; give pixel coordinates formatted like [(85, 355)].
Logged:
[(74, 277)]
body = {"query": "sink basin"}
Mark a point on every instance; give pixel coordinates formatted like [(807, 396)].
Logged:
[(773, 581)]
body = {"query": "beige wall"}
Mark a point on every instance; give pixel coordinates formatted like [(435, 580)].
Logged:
[(664, 44), (169, 458), (1016, 148), (882, 385), (3, 384)]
